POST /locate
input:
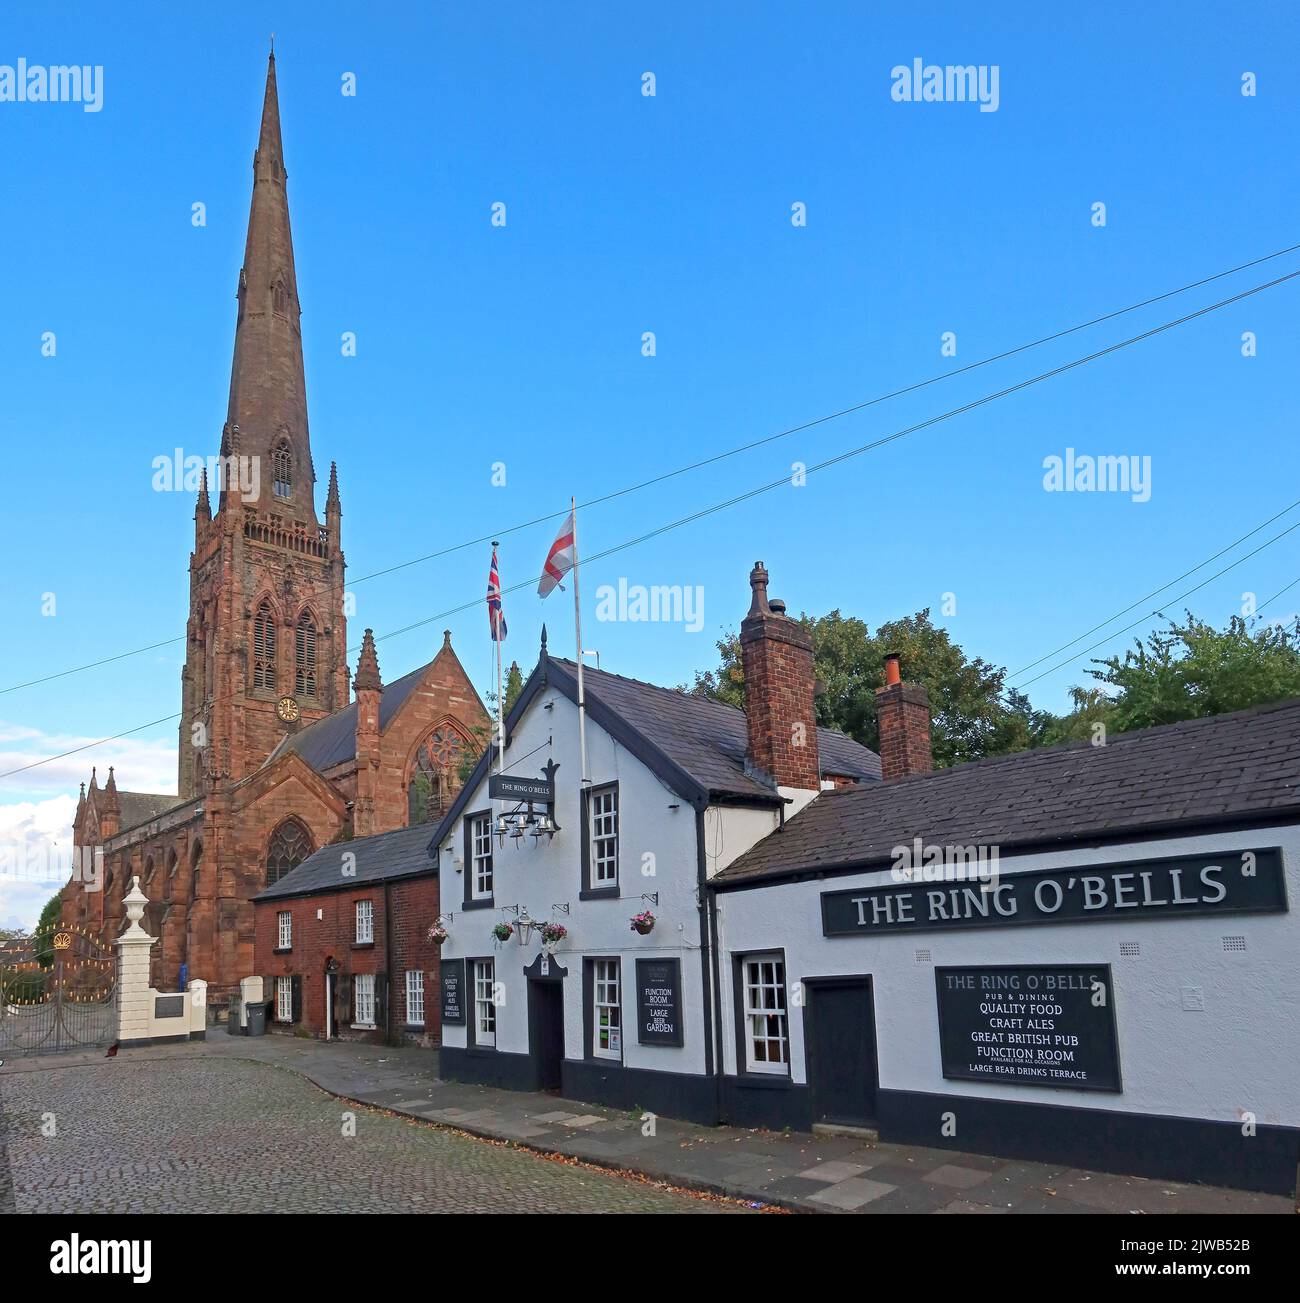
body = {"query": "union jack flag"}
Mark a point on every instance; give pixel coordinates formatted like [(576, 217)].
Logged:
[(496, 616)]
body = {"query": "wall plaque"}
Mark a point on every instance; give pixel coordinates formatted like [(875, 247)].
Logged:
[(1029, 1025), (659, 1001)]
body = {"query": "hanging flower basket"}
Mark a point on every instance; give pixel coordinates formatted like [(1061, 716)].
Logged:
[(644, 923), (552, 934), (503, 931), (438, 934)]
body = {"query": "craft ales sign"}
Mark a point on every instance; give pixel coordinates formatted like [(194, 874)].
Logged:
[(453, 987), (1238, 882), (1048, 1025)]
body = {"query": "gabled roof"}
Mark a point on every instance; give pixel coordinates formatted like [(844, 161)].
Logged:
[(696, 745), (1200, 773), (707, 738), (330, 741), (401, 853)]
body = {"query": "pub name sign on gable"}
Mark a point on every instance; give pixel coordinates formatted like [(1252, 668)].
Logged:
[(1240, 882)]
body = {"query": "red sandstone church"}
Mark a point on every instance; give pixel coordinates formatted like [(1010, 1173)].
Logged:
[(274, 761)]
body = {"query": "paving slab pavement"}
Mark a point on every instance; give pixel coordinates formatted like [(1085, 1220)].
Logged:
[(808, 1173)]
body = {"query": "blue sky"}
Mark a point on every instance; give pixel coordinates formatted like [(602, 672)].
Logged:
[(628, 214)]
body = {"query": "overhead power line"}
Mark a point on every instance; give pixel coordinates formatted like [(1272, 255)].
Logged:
[(784, 481), (503, 531)]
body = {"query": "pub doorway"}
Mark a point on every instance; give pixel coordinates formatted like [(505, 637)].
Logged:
[(840, 1050)]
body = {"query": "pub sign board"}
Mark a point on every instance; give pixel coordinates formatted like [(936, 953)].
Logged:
[(516, 787), (659, 1001), (453, 991), (1234, 882), (1029, 1025)]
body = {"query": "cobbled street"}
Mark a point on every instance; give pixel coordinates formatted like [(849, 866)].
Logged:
[(227, 1135)]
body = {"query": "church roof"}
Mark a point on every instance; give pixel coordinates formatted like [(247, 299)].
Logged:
[(401, 853), (333, 740), (140, 807)]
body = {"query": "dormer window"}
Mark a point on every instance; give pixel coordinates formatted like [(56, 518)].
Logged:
[(282, 467)]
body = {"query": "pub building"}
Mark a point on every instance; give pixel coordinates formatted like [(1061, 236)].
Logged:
[(1080, 954), (616, 1012)]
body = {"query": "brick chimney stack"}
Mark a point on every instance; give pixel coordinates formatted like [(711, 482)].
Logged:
[(903, 712), (777, 659)]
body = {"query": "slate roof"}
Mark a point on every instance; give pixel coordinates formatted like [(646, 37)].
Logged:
[(402, 853), (707, 738), (332, 740), (140, 807), (1229, 768)]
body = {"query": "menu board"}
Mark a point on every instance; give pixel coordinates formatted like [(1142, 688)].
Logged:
[(659, 1001), (1040, 1025), (453, 987)]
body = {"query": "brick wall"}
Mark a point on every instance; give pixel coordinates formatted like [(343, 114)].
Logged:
[(405, 912), (903, 712)]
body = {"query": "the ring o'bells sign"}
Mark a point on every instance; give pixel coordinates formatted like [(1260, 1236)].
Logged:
[(1236, 882)]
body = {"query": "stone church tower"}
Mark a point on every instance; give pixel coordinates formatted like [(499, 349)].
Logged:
[(266, 639), (275, 761)]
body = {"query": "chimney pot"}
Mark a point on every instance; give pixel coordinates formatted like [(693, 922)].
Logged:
[(892, 675)]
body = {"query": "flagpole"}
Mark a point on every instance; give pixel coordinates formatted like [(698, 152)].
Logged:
[(501, 701), (577, 629)]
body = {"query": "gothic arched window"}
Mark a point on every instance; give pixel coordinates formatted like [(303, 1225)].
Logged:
[(196, 861), (435, 776), (264, 647), (290, 845), (282, 468), (280, 297), (304, 656)]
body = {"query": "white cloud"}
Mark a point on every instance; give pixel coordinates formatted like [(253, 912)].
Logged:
[(35, 849), (143, 764)]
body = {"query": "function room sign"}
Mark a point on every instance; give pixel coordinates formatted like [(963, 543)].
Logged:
[(659, 1001), (1037, 1025), (1235, 882)]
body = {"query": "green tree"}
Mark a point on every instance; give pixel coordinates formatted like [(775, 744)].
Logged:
[(971, 718), (45, 926), (514, 685), (1192, 670)]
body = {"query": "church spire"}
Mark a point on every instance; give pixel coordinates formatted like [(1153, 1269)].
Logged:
[(267, 416)]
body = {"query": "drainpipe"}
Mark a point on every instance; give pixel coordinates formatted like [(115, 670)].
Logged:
[(708, 965), (388, 963)]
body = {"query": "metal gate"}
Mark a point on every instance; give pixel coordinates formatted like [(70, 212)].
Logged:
[(59, 994)]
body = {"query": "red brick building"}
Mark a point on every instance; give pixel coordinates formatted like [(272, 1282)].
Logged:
[(342, 942), (274, 762)]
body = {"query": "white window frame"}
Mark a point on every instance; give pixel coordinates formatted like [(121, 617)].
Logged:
[(480, 842), (766, 1013), (284, 999), (284, 930), (485, 1008), (606, 1000), (414, 997), (363, 1000), (602, 837), (365, 922)]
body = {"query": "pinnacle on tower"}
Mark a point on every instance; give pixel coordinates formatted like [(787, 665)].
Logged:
[(367, 675)]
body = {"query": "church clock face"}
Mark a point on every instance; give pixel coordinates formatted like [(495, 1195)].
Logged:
[(287, 709)]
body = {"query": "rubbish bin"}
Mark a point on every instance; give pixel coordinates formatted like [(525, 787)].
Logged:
[(257, 1018), (232, 1016)]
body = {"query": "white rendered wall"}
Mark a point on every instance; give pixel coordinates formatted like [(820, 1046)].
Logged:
[(1240, 1052)]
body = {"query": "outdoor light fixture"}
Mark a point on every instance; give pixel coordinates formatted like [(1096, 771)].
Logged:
[(525, 925)]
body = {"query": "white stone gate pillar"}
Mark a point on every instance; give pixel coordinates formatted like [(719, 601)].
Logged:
[(134, 998)]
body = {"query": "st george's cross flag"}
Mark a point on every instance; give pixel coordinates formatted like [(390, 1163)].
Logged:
[(559, 560), (496, 616)]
